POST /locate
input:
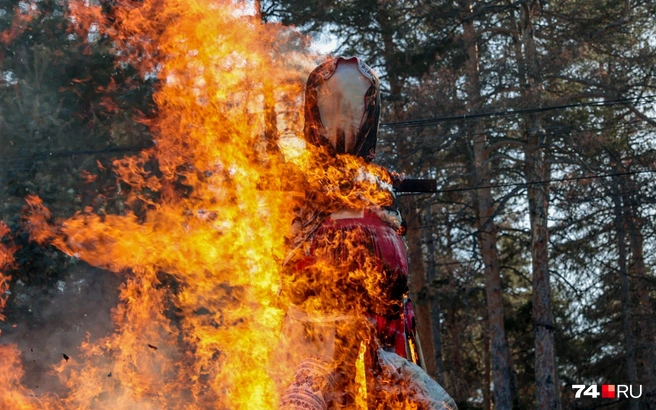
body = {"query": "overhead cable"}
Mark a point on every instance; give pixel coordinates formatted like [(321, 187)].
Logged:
[(433, 121), (545, 181)]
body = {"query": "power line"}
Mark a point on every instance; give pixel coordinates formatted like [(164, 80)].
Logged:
[(388, 125), (449, 190), (436, 120), (494, 131), (545, 181), (60, 154)]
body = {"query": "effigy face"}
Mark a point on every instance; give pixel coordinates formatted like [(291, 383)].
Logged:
[(342, 107)]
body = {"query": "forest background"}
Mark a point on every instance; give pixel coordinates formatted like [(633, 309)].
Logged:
[(533, 264)]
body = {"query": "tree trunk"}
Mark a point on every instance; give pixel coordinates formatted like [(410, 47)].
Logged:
[(627, 325), (455, 355), (487, 400), (394, 77), (487, 231), (536, 169), (547, 391), (433, 300), (645, 310), (418, 285)]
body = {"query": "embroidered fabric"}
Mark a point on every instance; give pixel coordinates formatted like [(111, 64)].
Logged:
[(345, 247), (312, 386), (398, 381)]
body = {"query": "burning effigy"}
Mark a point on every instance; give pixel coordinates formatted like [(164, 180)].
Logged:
[(348, 275), (260, 272)]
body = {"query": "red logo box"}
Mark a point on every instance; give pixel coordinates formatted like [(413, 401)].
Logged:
[(607, 391)]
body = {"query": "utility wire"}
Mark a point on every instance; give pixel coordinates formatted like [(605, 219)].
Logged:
[(412, 123), (545, 181), (61, 154), (448, 190), (390, 125), (494, 131), (433, 121)]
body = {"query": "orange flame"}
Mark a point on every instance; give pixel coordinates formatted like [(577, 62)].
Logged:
[(12, 394), (6, 262)]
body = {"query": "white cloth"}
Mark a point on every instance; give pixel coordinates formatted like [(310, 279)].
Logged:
[(425, 391), (341, 101)]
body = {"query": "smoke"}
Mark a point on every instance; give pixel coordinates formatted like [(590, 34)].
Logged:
[(49, 323)]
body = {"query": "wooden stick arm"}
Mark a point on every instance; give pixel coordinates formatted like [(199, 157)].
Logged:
[(409, 185)]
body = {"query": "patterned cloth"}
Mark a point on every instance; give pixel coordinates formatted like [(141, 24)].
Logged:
[(312, 386), (351, 245), (398, 384)]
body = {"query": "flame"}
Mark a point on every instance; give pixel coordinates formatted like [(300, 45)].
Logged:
[(6, 262), (210, 228), (202, 241), (12, 394), (361, 379)]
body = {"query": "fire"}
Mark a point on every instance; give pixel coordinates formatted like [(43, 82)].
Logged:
[(203, 243), (6, 262), (12, 394), (204, 279)]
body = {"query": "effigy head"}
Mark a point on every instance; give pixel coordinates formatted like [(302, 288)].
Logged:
[(342, 107)]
